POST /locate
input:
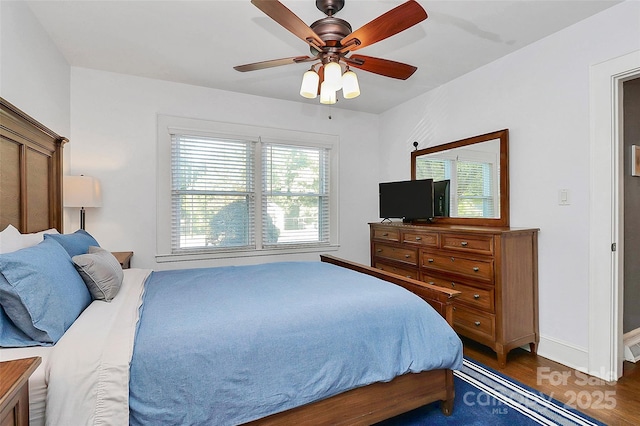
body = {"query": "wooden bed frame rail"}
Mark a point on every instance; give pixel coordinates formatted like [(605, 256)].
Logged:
[(439, 297)]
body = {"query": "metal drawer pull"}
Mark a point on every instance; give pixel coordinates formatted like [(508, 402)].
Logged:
[(379, 250), (477, 323), (430, 260), (453, 284), (476, 269), (453, 259), (476, 296), (464, 243), (386, 234), (407, 256), (409, 276), (418, 238), (431, 282)]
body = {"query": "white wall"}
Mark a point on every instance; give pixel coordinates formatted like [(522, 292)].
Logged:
[(541, 93), (113, 137), (34, 76)]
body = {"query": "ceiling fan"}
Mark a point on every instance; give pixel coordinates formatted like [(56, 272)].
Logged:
[(332, 41)]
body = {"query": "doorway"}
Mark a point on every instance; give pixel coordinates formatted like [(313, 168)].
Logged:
[(606, 221)]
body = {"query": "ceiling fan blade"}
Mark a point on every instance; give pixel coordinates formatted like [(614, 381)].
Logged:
[(285, 17), (394, 21), (273, 63), (383, 67)]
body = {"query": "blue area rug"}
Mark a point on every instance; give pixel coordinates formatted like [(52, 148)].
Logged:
[(486, 397)]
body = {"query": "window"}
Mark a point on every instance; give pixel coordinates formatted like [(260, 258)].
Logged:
[(239, 190), (295, 201), (212, 193), (473, 182)]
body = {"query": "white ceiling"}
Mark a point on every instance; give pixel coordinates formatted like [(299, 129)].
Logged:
[(199, 42)]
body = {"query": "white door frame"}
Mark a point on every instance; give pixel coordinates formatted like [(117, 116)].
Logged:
[(606, 214)]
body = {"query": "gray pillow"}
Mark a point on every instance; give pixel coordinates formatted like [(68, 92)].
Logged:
[(101, 272)]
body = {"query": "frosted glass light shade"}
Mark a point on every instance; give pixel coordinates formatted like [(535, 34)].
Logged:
[(333, 75), (82, 191), (350, 86), (309, 88), (327, 94)]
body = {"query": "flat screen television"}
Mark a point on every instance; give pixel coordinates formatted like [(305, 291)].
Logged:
[(408, 200), (441, 198)]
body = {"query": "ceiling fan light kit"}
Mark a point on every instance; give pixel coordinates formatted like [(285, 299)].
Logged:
[(331, 42)]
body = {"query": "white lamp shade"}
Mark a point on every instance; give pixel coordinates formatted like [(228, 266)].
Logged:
[(327, 94), (333, 75), (350, 86), (309, 88), (82, 191)]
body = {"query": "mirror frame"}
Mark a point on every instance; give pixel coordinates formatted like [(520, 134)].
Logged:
[(503, 135)]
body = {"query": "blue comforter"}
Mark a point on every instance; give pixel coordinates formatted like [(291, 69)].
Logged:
[(228, 345)]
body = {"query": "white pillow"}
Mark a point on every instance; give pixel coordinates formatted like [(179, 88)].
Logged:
[(11, 239)]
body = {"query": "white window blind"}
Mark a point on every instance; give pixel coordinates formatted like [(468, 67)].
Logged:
[(242, 195), (212, 193), (295, 199)]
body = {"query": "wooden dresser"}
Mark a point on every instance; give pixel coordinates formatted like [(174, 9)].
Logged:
[(495, 269)]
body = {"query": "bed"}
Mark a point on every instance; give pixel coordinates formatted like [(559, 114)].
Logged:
[(31, 161)]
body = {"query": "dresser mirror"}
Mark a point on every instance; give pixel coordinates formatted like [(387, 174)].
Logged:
[(473, 176)]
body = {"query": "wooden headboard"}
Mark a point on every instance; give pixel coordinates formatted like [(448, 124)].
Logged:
[(30, 172)]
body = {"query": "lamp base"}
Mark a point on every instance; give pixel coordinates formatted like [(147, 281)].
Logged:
[(82, 218)]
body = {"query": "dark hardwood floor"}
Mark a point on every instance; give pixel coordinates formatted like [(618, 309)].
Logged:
[(612, 403)]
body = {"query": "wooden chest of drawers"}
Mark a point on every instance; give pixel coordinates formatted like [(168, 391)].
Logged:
[(496, 270)]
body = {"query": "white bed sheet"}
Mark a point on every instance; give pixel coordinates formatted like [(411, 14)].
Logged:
[(37, 383), (88, 370)]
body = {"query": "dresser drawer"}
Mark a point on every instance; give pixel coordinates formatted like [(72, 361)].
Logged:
[(389, 234), (479, 298), (405, 272), (474, 323), (482, 244), (394, 253), (428, 239), (474, 268)]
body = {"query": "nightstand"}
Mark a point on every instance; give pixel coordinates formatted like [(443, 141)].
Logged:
[(124, 257), (14, 390)]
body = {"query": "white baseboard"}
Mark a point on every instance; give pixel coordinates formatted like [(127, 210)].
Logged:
[(564, 353)]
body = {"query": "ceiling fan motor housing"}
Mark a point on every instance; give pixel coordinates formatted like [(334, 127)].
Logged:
[(331, 29)]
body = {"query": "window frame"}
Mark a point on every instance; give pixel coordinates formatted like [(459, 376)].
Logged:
[(171, 124)]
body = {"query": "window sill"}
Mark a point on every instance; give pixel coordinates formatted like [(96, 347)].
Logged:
[(164, 258)]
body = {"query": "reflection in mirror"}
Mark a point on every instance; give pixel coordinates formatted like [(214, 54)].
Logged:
[(471, 179), (473, 173)]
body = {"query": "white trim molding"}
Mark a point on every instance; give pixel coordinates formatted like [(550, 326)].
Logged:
[(564, 353), (605, 215)]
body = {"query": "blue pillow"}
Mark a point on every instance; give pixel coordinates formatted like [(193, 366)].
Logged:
[(42, 292), (11, 336), (76, 243)]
